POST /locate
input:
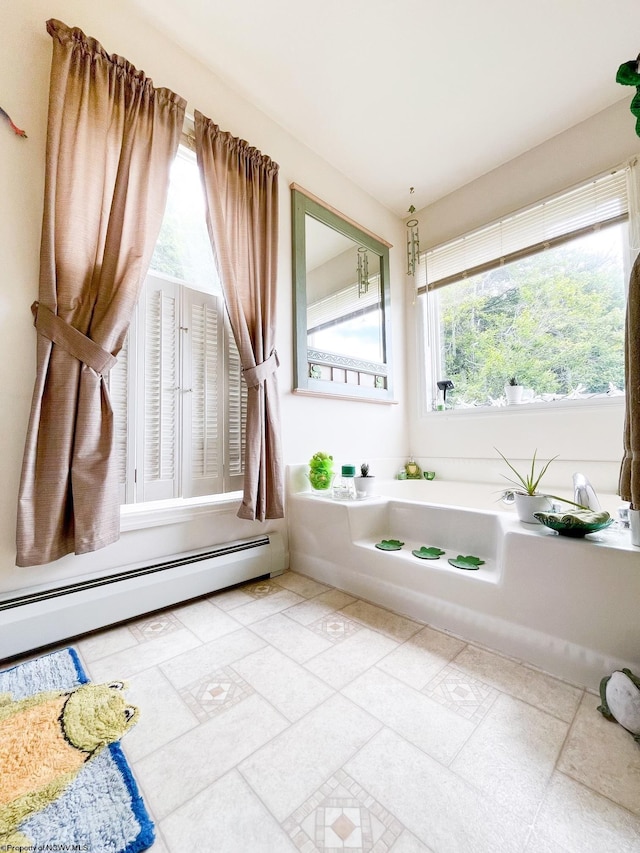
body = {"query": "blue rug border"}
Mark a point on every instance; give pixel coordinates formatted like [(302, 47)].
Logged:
[(146, 836)]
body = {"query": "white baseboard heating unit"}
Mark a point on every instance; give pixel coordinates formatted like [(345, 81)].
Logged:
[(41, 617)]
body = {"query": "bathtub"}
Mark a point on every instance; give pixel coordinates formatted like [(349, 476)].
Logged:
[(567, 606)]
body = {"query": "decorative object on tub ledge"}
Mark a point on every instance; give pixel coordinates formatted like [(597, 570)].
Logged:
[(321, 472), (470, 563), (429, 475), (575, 524), (365, 483), (513, 391), (528, 500), (413, 470), (425, 553), (64, 781), (14, 127), (389, 545), (620, 697)]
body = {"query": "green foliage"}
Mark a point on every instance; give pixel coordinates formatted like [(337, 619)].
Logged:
[(529, 481), (364, 470), (554, 320)]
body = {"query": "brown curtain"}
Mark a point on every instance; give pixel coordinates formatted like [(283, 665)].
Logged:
[(629, 485), (111, 139), (241, 190)]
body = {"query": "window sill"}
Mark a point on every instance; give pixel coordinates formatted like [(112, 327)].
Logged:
[(534, 407), (178, 511)]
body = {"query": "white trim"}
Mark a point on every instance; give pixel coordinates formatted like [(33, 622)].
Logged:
[(176, 511)]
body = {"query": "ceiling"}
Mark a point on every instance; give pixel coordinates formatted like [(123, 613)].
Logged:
[(424, 93)]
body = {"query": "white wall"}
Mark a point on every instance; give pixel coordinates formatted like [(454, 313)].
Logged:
[(351, 431), (460, 444)]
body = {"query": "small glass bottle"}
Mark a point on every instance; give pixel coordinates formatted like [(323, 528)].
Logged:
[(344, 487)]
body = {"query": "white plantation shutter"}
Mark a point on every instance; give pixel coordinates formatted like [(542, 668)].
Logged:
[(236, 399), (202, 397), (160, 380), (119, 395)]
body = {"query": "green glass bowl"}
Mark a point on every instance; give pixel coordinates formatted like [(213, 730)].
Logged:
[(575, 528)]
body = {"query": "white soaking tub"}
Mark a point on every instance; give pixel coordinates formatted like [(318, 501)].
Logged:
[(568, 606)]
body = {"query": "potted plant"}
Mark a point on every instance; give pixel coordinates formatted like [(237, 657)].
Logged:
[(528, 499), (365, 483), (513, 391)]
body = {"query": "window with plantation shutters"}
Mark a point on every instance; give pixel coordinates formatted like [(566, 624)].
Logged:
[(177, 390)]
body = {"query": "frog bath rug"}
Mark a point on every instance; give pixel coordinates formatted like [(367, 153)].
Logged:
[(64, 781)]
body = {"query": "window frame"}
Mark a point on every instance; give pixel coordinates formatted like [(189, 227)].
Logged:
[(430, 334)]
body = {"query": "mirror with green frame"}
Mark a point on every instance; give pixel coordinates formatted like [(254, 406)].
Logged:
[(341, 304)]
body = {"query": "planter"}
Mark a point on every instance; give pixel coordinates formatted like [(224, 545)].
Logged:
[(526, 505), (364, 486), (513, 394)]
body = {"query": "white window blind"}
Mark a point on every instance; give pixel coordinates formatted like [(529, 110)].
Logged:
[(342, 304), (540, 226)]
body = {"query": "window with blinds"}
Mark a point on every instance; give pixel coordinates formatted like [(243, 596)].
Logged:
[(177, 390), (539, 296)]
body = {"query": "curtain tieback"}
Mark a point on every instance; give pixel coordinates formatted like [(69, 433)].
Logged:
[(55, 329), (255, 375)]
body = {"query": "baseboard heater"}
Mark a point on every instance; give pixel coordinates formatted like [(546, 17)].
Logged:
[(45, 616)]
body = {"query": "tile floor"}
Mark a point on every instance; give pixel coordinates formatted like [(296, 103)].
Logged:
[(284, 715)]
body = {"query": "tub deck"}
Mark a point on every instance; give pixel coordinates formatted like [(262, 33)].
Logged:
[(568, 606)]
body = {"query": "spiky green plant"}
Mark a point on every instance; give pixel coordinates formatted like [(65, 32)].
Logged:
[(530, 481)]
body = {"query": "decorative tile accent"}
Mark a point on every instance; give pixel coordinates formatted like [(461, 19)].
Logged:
[(155, 625), (262, 589), (335, 627), (215, 692), (461, 693), (342, 816)]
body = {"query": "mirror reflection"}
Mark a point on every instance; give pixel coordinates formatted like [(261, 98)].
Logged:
[(344, 299), (341, 302)]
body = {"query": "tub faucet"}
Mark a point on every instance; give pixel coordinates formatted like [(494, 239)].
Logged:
[(584, 494)]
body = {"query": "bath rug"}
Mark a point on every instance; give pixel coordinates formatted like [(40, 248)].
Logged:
[(64, 781)]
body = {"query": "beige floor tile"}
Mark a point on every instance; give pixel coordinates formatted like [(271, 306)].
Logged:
[(522, 682), (603, 756), (163, 714), (205, 620), (226, 817), (173, 774), (511, 755), (229, 599), (306, 587), (420, 657), (577, 820), (295, 640), (341, 815), (418, 719), (144, 655), (347, 660), (322, 605), (292, 766), (289, 687), (397, 627), (107, 642), (260, 608), (186, 668), (408, 843), (440, 809)]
